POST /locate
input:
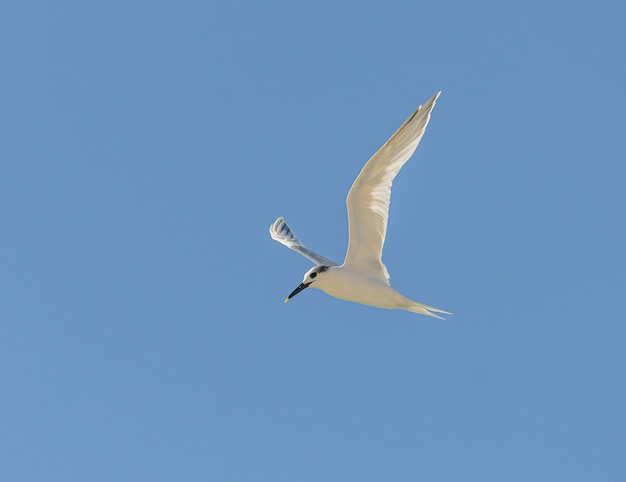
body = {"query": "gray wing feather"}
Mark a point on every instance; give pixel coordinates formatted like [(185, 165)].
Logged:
[(279, 231)]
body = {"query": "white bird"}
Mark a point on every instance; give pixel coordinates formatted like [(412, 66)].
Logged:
[(363, 278)]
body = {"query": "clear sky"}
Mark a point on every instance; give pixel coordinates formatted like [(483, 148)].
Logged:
[(145, 148)]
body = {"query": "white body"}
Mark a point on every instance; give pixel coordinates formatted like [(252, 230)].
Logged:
[(363, 278), (346, 284)]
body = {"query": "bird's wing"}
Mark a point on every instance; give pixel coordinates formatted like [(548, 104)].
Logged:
[(281, 233), (369, 196)]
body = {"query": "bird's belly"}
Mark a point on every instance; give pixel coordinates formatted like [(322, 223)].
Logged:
[(364, 292)]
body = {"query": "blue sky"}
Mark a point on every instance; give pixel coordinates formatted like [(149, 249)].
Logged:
[(145, 148)]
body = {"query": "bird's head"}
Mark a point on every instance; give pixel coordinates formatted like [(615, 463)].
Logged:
[(310, 278)]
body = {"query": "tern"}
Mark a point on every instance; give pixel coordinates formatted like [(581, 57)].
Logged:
[(363, 278)]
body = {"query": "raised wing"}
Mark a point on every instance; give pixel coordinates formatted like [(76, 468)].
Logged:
[(369, 196), (279, 231)]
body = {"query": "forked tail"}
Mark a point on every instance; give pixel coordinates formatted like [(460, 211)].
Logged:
[(426, 310)]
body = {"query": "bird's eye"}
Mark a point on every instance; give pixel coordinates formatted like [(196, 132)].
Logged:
[(313, 275)]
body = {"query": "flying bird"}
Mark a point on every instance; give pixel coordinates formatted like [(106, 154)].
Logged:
[(363, 278)]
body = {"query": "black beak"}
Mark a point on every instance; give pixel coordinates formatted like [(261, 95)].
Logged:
[(296, 291)]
